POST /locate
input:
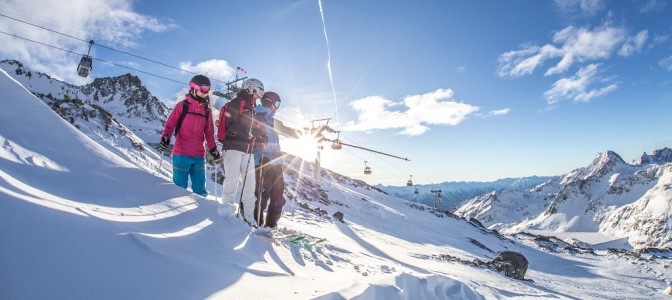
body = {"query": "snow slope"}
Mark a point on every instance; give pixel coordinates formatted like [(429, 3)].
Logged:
[(77, 221)]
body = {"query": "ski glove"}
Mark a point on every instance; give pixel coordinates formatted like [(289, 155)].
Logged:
[(163, 145), (213, 157)]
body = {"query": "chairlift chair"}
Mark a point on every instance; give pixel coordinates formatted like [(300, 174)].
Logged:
[(86, 63), (367, 169)]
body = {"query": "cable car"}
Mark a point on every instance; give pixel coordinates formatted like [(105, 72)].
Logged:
[(416, 191), (86, 64), (410, 181), (336, 145), (367, 169)]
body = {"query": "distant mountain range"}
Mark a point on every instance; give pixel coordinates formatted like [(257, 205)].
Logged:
[(609, 196), (454, 194)]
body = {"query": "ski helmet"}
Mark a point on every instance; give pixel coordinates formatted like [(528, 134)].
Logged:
[(200, 80), (270, 98), (253, 85)]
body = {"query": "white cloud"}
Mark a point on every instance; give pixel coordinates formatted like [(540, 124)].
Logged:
[(634, 44), (652, 6), (587, 7), (666, 63), (500, 112), (413, 114), (461, 70), (215, 69), (575, 45), (112, 22), (576, 87)]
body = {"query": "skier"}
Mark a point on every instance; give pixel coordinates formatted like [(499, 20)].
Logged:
[(192, 128), (268, 160), (235, 132)]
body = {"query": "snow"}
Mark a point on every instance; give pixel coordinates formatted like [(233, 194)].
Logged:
[(79, 221)]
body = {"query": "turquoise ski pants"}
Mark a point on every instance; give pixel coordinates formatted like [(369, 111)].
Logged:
[(185, 167)]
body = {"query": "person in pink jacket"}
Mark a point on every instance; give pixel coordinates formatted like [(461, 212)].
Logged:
[(192, 128)]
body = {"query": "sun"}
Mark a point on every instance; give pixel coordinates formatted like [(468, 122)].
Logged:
[(304, 147)]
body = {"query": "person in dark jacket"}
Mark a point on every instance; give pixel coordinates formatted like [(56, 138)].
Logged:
[(235, 132), (195, 128), (268, 159)]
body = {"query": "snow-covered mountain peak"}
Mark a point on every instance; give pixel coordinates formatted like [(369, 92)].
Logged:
[(595, 198), (602, 164), (126, 97), (660, 156)]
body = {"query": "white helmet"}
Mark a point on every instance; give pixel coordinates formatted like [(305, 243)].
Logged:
[(253, 85)]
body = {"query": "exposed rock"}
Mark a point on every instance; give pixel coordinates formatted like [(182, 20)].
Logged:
[(512, 264), (339, 216)]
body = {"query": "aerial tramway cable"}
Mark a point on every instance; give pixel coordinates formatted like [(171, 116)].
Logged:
[(106, 47)]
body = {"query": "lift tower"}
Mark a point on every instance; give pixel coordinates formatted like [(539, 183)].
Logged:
[(437, 192)]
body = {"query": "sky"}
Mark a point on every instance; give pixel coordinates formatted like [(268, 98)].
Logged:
[(81, 222), (466, 90)]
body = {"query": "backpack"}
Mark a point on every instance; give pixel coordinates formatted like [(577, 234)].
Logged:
[(222, 119), (185, 111)]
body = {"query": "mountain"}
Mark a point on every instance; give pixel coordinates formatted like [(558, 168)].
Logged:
[(116, 112), (455, 194), (122, 97), (630, 202), (80, 221)]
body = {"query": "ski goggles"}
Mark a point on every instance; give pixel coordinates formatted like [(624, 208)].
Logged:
[(203, 88), (276, 103)]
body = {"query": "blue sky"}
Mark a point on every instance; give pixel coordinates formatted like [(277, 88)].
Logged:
[(467, 90)]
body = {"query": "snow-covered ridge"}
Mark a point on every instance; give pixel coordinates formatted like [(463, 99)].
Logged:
[(119, 113), (123, 97), (609, 197)]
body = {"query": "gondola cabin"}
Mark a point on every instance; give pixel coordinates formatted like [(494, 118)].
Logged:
[(416, 191), (367, 169), (85, 66), (86, 63), (410, 181), (336, 145)]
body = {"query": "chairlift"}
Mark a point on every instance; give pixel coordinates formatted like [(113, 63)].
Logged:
[(86, 64), (336, 144), (410, 181), (367, 169)]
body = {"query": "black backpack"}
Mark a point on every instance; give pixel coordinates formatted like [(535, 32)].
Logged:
[(185, 111)]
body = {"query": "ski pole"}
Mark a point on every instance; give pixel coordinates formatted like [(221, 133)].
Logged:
[(224, 170), (216, 184), (160, 164), (261, 187), (247, 168)]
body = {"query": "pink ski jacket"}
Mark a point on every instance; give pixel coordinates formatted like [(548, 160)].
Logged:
[(194, 130)]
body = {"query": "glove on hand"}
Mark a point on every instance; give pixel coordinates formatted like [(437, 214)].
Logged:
[(163, 145), (213, 156)]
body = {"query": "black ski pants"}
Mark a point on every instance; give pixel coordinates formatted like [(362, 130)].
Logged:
[(270, 186)]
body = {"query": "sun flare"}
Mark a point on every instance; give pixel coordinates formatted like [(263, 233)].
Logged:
[(304, 147)]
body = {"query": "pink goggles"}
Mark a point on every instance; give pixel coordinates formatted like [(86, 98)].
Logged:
[(203, 88)]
